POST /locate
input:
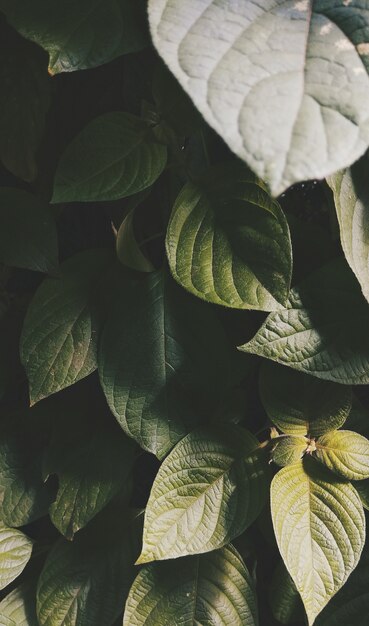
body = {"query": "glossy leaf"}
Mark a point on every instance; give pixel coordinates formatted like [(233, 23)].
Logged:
[(207, 491), (59, 338), (228, 242), (114, 156), (319, 525), (299, 404), (20, 606), (346, 453), (79, 35), (324, 331), (210, 589), (289, 449), (15, 552), (265, 77), (28, 237)]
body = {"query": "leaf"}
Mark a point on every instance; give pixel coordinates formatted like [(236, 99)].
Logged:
[(79, 35), (24, 102), (346, 453), (128, 250), (114, 156), (15, 552), (210, 589), (28, 236), (289, 449), (265, 76), (87, 581), (362, 488), (351, 196), (20, 606), (323, 332), (163, 361), (319, 525), (299, 404), (209, 489), (228, 242), (284, 598), (59, 338)]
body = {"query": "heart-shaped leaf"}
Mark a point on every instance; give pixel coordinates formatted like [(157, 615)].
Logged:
[(15, 552), (346, 453)]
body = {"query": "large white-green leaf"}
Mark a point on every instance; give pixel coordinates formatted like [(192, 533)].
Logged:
[(299, 404), (207, 491), (79, 35), (163, 361), (228, 241), (284, 82), (324, 331), (59, 339), (346, 453), (20, 606), (114, 156), (211, 589), (15, 552), (319, 525)]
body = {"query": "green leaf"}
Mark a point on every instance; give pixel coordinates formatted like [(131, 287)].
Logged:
[(114, 156), (163, 361), (319, 525), (346, 453), (15, 552), (284, 598), (210, 589), (289, 449), (28, 237), (228, 242), (362, 488), (209, 489), (351, 196), (265, 76), (86, 582), (79, 35), (20, 606), (59, 339), (128, 251), (324, 331), (24, 102), (299, 404)]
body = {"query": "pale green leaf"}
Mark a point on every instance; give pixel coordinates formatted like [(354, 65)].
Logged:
[(20, 606), (346, 453), (228, 241), (319, 525), (213, 589), (269, 77), (284, 598), (289, 449), (207, 491), (59, 339), (15, 552), (324, 331), (299, 404), (114, 156), (128, 250)]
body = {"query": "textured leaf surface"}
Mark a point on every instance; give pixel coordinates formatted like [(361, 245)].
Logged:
[(228, 242), (58, 343), (289, 450), (163, 361), (20, 606), (28, 237), (15, 552), (284, 598), (114, 156), (265, 77), (346, 453), (324, 331), (319, 525), (207, 491), (213, 589), (299, 404), (79, 35)]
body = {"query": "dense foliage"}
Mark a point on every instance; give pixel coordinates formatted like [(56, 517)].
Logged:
[(184, 321)]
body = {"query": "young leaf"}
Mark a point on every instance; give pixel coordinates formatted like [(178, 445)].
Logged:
[(211, 589), (284, 598), (228, 242), (345, 453), (59, 338), (163, 361), (20, 606), (128, 251), (299, 404), (319, 525), (15, 552), (324, 331), (28, 235), (207, 491), (79, 35), (114, 156), (265, 76), (289, 450)]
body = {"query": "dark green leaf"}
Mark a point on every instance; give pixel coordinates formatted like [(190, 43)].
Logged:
[(128, 250), (284, 598)]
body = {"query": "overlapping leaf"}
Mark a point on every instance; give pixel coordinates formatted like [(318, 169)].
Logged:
[(15, 552), (346, 453), (289, 449), (19, 606)]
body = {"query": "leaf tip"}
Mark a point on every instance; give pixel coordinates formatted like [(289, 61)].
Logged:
[(144, 558)]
